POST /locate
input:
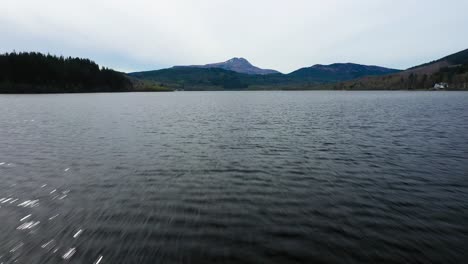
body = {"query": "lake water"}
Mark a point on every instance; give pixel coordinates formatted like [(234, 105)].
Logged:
[(234, 177)]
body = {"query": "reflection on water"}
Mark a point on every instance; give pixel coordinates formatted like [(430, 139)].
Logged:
[(234, 177), (34, 224)]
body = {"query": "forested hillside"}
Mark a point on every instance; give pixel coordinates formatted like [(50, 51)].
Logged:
[(195, 78), (452, 69)]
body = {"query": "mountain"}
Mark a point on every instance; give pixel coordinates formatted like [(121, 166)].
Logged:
[(452, 69), (339, 72), (239, 65), (208, 77)]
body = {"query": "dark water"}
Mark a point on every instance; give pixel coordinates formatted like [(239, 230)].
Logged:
[(234, 177)]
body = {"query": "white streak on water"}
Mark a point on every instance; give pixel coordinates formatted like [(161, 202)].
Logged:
[(98, 260), (4, 201), (25, 203), (51, 218), (44, 185), (16, 247), (67, 169), (69, 253), (28, 225), (24, 218), (29, 203), (53, 191), (77, 234), (47, 244)]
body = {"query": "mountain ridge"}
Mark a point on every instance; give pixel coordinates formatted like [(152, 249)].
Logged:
[(40, 73), (187, 77), (236, 64), (341, 71)]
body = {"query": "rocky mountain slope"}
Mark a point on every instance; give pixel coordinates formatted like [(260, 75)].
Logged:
[(239, 65)]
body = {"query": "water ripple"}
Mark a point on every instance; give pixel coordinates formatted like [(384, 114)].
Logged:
[(235, 177)]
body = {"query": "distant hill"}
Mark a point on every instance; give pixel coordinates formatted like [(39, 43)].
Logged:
[(207, 77), (460, 57), (195, 78), (452, 69), (239, 65), (339, 72)]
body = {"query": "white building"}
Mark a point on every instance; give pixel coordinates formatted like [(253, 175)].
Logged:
[(441, 86)]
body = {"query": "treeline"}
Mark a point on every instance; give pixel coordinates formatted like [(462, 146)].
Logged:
[(455, 76), (33, 72)]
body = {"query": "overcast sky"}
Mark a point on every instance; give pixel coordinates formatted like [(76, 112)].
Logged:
[(283, 35)]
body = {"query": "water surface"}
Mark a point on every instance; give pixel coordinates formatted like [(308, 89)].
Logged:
[(234, 177)]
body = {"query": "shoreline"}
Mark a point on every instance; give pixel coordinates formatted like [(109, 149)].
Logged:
[(233, 90)]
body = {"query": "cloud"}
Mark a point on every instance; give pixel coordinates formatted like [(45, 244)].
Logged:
[(284, 35)]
